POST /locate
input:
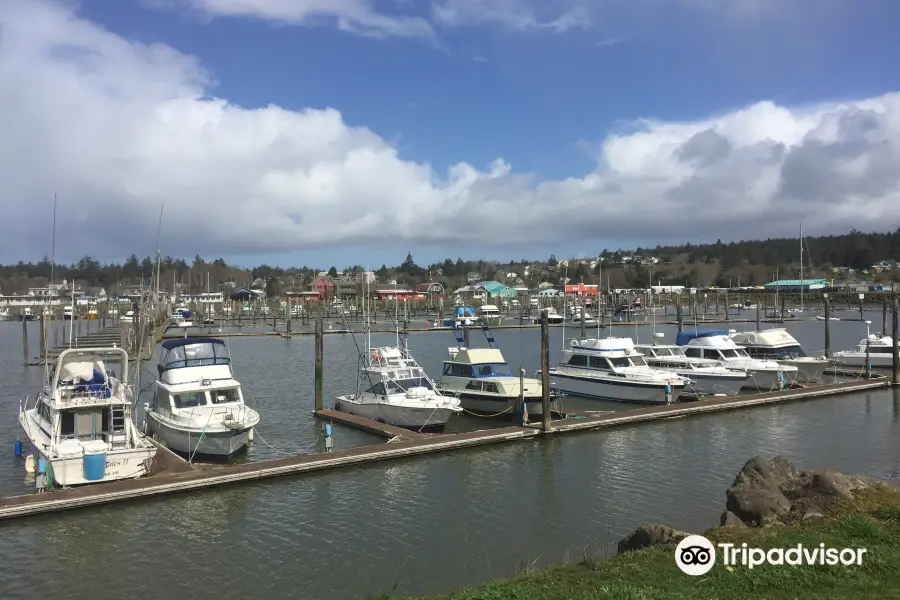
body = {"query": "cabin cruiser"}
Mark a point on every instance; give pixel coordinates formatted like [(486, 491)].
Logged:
[(822, 318), (464, 316), (27, 314), (128, 317), (765, 375), (69, 313), (392, 388), (81, 424), (576, 313), (198, 407), (181, 316), (483, 382), (4, 313), (880, 351), (779, 345), (489, 314), (553, 317), (611, 369), (710, 377)]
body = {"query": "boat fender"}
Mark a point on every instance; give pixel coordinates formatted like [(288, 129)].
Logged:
[(574, 343)]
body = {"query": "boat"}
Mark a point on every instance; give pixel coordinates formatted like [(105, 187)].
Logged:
[(779, 345), (128, 317), (27, 314), (113, 312), (765, 375), (4, 313), (710, 377), (880, 350), (81, 424), (393, 389), (464, 316), (489, 314), (483, 382), (69, 313), (576, 313), (611, 369), (822, 318), (92, 314), (199, 407), (553, 317)]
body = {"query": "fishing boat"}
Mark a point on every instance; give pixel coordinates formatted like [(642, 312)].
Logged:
[(611, 369), (199, 407), (879, 349), (484, 383), (822, 318), (779, 345), (765, 375), (81, 423)]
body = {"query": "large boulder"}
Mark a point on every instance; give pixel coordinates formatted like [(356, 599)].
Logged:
[(729, 519), (759, 494), (650, 535), (828, 482)]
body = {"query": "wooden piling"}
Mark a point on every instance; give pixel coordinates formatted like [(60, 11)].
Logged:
[(758, 313), (583, 317), (466, 336), (861, 318), (679, 316), (24, 340), (545, 372), (827, 327), (895, 334), (320, 355), (884, 310)]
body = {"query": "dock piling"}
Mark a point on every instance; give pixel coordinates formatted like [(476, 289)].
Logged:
[(895, 333), (884, 307), (320, 353), (679, 315), (758, 328), (545, 371), (827, 327), (24, 340)]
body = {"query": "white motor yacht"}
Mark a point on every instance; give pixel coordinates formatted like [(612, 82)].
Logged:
[(710, 377), (392, 388), (198, 408), (611, 369), (80, 422), (553, 317), (779, 345), (880, 351), (4, 313), (765, 375), (489, 314), (485, 385)]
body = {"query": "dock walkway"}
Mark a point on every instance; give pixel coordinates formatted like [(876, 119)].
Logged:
[(407, 445)]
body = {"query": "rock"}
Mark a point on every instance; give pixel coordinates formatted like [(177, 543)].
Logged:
[(813, 514), (761, 472), (729, 519), (757, 505), (650, 535), (829, 482)]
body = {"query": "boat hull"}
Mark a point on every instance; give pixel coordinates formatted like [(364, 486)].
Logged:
[(120, 464), (615, 391), (189, 442), (858, 359), (499, 406), (408, 417), (808, 371), (767, 380), (712, 384)]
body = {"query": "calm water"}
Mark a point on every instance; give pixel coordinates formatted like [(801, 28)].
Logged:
[(420, 525)]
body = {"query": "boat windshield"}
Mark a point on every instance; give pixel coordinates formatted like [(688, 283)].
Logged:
[(399, 386), (732, 353), (786, 352), (492, 370), (195, 355), (619, 361), (664, 352), (637, 361)]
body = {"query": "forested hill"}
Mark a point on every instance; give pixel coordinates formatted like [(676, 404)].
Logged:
[(856, 249)]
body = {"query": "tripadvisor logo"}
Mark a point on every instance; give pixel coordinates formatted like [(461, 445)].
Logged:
[(696, 555)]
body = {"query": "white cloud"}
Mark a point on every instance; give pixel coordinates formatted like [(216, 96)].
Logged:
[(521, 15), (357, 16), (118, 128)]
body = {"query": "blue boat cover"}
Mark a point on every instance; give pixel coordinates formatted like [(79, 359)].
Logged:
[(684, 337), (178, 343)]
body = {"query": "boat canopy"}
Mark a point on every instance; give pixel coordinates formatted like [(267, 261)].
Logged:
[(684, 337), (193, 352)]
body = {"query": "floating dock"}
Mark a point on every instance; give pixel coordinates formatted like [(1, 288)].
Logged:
[(404, 444)]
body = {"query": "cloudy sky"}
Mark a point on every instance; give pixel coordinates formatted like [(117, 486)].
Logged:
[(350, 131)]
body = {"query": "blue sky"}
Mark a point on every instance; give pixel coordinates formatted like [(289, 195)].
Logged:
[(542, 99)]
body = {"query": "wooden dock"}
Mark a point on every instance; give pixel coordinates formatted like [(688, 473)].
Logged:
[(405, 444)]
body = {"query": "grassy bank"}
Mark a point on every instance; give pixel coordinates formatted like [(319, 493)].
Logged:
[(871, 521)]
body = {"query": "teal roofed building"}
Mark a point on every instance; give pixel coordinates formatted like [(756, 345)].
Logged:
[(790, 285), (495, 289)]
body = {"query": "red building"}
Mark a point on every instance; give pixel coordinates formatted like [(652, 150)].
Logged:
[(580, 289), (401, 294), (323, 286)]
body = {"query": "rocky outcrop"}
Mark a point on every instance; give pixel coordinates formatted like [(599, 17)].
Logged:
[(650, 535), (769, 492)]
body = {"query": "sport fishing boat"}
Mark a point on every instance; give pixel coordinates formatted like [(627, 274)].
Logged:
[(198, 408), (393, 389), (611, 369), (708, 375), (81, 423), (765, 375), (483, 382), (779, 345), (879, 348)]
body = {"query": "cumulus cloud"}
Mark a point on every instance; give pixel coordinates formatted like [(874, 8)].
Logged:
[(119, 127)]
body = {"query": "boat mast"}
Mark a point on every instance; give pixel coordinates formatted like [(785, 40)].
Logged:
[(801, 267), (396, 312), (52, 276), (599, 288)]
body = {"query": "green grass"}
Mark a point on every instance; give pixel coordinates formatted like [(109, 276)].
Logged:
[(872, 521)]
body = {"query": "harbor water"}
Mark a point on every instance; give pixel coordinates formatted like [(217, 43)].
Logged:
[(421, 525)]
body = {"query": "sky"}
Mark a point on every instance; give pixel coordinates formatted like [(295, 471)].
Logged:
[(343, 132)]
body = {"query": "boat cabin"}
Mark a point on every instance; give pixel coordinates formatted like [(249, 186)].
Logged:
[(476, 363), (772, 344), (190, 359), (713, 344), (607, 354), (391, 371)]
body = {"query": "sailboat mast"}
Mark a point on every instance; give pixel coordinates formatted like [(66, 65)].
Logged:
[(599, 288), (396, 312), (801, 267)]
